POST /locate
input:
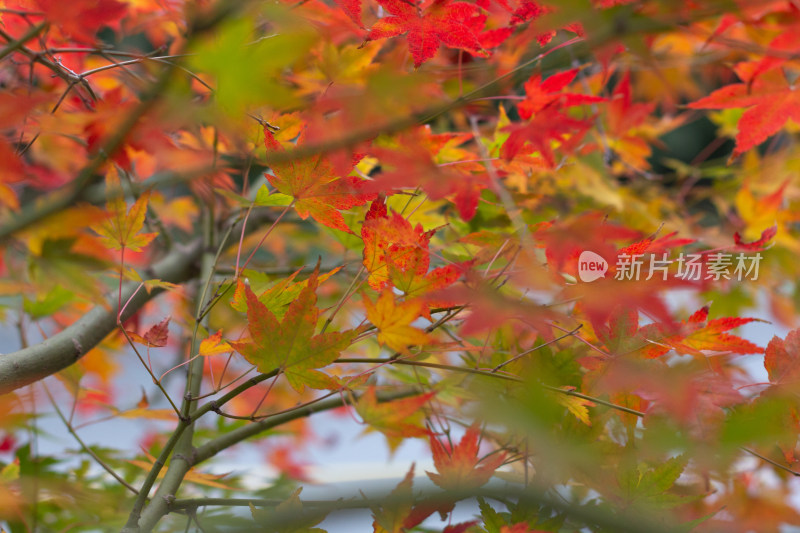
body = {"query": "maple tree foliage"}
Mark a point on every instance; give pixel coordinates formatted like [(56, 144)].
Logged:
[(541, 245)]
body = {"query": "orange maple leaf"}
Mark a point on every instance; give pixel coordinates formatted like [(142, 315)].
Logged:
[(397, 420), (698, 333), (317, 189), (459, 467), (121, 228)]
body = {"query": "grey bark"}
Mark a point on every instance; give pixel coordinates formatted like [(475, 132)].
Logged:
[(36, 362), (56, 353)]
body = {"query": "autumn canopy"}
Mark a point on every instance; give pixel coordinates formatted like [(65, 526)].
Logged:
[(542, 256)]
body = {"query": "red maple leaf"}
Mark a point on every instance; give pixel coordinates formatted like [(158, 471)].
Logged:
[(392, 238), (543, 106), (440, 22), (538, 135), (565, 242), (541, 94), (317, 189), (80, 19), (759, 244), (352, 9), (155, 337), (782, 358), (771, 101)]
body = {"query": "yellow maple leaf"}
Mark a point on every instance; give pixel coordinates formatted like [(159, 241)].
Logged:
[(393, 321), (214, 345)]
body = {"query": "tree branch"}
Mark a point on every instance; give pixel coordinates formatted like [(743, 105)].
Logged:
[(14, 45), (636, 520), (36, 362), (214, 446), (56, 353)]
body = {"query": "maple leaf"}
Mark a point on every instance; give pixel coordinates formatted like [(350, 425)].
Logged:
[(414, 285), (392, 239), (399, 514), (460, 527), (393, 321), (437, 164), (353, 10), (214, 345), (397, 420), (155, 337), (537, 135), (391, 517), (542, 106), (541, 94), (625, 133), (771, 101), (121, 229), (651, 486), (193, 475), (443, 22), (282, 459), (765, 217), (277, 295), (782, 358), (317, 190), (530, 10), (81, 19), (698, 333), (759, 244), (290, 345), (579, 407), (459, 468), (564, 244)]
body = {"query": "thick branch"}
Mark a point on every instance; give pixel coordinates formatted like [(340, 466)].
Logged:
[(36, 362), (636, 520)]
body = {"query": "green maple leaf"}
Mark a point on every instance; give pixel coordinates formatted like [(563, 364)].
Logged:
[(289, 345)]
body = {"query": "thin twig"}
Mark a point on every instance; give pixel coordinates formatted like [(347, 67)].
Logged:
[(84, 446), (540, 346)]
